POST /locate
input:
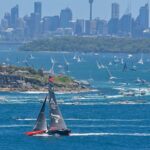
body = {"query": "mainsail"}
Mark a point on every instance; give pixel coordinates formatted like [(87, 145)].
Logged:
[(41, 123), (57, 121)]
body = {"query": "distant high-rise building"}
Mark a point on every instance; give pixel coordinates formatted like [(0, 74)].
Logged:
[(102, 27), (46, 24), (91, 3), (38, 8), (126, 23), (113, 26), (65, 18), (8, 18), (50, 23), (144, 16), (115, 11), (142, 21), (79, 27), (54, 23), (14, 16)]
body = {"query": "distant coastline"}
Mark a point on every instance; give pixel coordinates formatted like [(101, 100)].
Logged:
[(89, 44)]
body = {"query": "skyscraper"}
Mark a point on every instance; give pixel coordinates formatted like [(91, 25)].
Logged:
[(113, 24), (142, 21), (91, 3), (115, 11), (38, 8), (14, 16), (65, 18), (126, 23), (144, 16)]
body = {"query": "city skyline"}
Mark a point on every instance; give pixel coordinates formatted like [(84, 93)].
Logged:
[(54, 8), (34, 25)]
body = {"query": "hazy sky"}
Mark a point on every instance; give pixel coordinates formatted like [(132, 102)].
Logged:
[(80, 8)]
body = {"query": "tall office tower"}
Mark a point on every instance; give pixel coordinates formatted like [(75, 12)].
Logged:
[(14, 16), (126, 23), (91, 4), (142, 21), (38, 8), (54, 23), (113, 24), (144, 16), (65, 18), (115, 11)]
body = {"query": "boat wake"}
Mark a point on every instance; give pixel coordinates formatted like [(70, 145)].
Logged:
[(111, 134), (43, 135), (26, 119), (93, 120), (14, 126), (109, 126)]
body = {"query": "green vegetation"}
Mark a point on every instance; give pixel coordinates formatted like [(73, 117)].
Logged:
[(89, 44), (13, 78), (31, 73), (63, 79)]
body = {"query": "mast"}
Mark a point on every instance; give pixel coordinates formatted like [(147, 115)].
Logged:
[(41, 123), (56, 118)]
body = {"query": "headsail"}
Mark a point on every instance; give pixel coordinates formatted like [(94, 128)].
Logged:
[(41, 123), (57, 121)]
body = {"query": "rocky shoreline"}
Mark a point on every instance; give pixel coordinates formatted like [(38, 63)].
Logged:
[(21, 79)]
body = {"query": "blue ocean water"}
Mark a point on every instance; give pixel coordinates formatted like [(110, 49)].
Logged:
[(104, 119)]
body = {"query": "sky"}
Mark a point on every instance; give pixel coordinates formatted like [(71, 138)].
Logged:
[(80, 8)]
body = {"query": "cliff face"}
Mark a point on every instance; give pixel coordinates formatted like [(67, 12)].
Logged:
[(14, 78)]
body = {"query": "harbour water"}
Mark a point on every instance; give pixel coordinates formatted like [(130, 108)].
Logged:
[(116, 116)]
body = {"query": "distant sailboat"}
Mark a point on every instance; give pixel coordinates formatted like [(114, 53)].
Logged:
[(52, 61), (124, 67), (100, 65), (141, 60), (110, 64), (122, 61), (66, 62), (78, 59), (52, 69), (75, 57), (31, 57), (130, 56), (110, 75)]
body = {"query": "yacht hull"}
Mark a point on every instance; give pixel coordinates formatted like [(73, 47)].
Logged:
[(32, 133), (59, 132)]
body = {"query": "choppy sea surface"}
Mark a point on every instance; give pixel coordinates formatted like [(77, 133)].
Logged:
[(116, 116)]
